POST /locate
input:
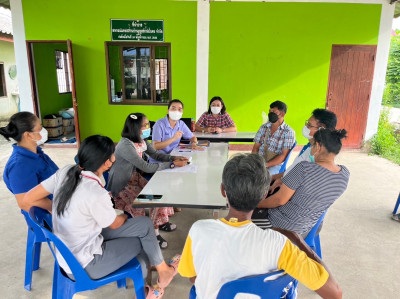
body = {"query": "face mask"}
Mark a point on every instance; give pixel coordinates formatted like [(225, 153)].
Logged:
[(273, 117), (43, 133), (306, 132), (145, 133), (215, 110), (175, 115), (312, 158)]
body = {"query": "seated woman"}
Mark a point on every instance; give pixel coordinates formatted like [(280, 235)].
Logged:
[(28, 165), (309, 189), (216, 119), (168, 131), (125, 180), (84, 218)]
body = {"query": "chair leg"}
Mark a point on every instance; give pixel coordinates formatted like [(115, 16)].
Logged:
[(396, 207), (55, 281), (121, 283), (65, 288), (318, 246), (138, 283), (30, 248), (36, 258)]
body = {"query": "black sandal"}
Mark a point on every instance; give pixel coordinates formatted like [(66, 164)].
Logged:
[(161, 242), (167, 227)]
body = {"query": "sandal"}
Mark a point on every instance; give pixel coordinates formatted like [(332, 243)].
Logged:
[(167, 227), (155, 292), (174, 263), (161, 242)]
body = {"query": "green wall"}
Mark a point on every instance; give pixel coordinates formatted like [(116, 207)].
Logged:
[(51, 101), (87, 25), (262, 52)]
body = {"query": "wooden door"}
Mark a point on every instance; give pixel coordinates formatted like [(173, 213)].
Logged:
[(349, 89), (73, 90)]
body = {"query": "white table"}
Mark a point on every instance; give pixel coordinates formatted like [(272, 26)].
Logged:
[(226, 137), (191, 190)]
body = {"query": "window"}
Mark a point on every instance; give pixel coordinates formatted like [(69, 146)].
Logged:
[(3, 90), (139, 73), (63, 72)]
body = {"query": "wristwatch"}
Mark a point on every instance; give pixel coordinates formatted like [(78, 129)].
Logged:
[(172, 165)]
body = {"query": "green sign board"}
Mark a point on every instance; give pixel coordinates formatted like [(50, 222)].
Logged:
[(137, 30)]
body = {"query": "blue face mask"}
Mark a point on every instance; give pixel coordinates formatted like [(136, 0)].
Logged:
[(312, 158), (145, 133)]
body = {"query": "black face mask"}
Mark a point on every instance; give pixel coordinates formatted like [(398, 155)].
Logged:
[(273, 117)]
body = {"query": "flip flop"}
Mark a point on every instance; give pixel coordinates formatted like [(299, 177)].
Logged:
[(155, 292), (161, 242), (167, 227), (174, 263)]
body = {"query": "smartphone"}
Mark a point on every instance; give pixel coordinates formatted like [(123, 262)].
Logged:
[(149, 196)]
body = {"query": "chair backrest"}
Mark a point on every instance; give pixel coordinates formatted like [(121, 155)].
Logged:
[(46, 218), (283, 167), (257, 285), (37, 215), (311, 235)]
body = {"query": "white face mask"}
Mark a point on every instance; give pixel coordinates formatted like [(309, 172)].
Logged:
[(306, 132), (43, 133), (215, 110), (175, 115)]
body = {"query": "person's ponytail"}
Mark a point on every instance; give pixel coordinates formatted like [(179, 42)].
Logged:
[(20, 123), (72, 179)]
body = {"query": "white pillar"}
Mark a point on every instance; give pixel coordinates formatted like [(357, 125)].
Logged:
[(203, 40), (21, 57), (378, 83)]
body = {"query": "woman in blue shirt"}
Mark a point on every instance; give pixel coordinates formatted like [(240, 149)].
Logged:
[(28, 165)]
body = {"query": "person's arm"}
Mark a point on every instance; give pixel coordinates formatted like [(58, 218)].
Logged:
[(230, 129), (201, 123), (119, 220), (277, 176), (278, 199), (158, 145), (256, 148), (229, 123), (278, 159), (36, 197), (307, 268)]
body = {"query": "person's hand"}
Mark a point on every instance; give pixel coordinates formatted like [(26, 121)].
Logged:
[(180, 158), (210, 129), (180, 163), (178, 135), (218, 130), (276, 184), (197, 148)]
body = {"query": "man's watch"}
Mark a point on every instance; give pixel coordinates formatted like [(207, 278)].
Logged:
[(172, 165)]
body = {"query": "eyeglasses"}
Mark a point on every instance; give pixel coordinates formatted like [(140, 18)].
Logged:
[(308, 125)]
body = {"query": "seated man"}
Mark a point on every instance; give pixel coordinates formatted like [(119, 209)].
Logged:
[(219, 251), (275, 139), (320, 119)]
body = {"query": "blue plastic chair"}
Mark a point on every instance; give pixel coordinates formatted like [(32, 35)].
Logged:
[(34, 241), (257, 285), (312, 238), (283, 167), (396, 207), (63, 286)]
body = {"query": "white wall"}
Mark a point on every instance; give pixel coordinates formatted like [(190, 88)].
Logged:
[(8, 104), (24, 81)]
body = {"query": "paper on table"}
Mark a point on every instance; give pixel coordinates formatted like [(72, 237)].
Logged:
[(191, 168)]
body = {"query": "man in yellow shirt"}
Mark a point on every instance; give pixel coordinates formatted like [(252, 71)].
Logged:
[(219, 251)]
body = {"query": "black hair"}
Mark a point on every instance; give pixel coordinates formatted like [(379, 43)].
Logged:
[(330, 139), (132, 127), (246, 181), (223, 109), (325, 117), (20, 123), (280, 105), (175, 101), (93, 152)]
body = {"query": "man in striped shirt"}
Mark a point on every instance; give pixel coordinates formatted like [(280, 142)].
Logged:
[(275, 139)]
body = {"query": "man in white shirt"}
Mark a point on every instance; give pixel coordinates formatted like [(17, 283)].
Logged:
[(219, 251), (320, 118)]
